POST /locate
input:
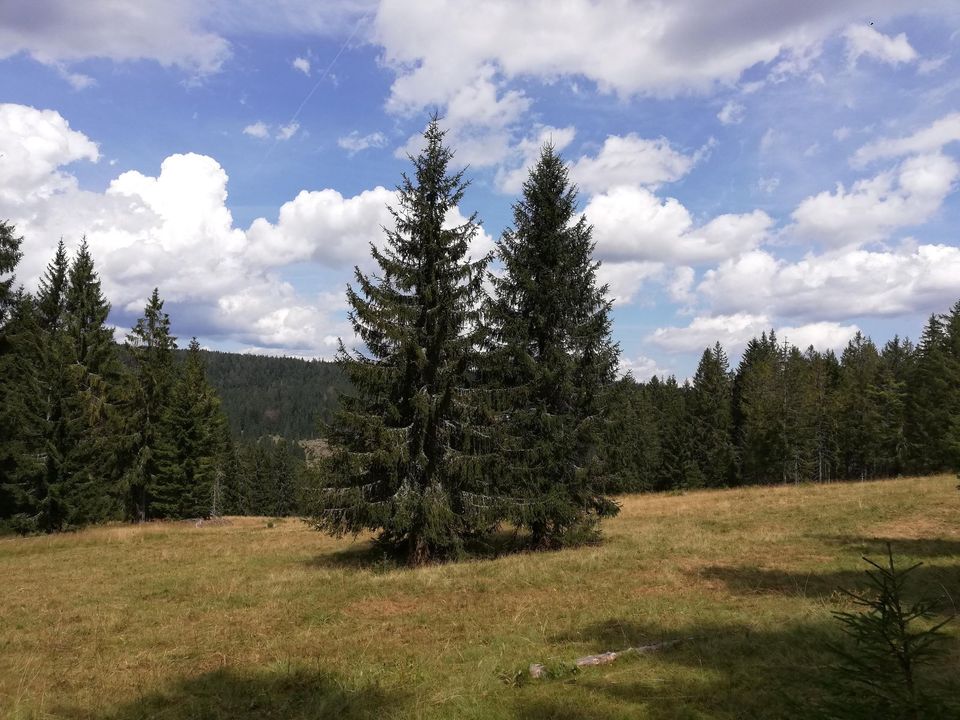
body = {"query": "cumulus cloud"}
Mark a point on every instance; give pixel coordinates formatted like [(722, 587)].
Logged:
[(625, 279), (355, 142), (633, 223), (838, 285), (873, 208), (682, 47), (61, 31), (863, 40), (632, 160), (34, 145), (926, 140), (736, 330)]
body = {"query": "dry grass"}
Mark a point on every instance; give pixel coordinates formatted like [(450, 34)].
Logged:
[(242, 620)]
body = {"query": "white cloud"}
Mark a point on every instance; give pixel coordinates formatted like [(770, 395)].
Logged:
[(170, 32), (836, 286), (873, 208), (34, 144), (863, 40), (285, 132), (435, 48), (302, 64), (634, 224), (734, 331), (680, 287), (631, 160), (258, 129), (355, 142), (732, 113), (821, 335), (931, 65), (626, 278), (926, 140), (841, 133)]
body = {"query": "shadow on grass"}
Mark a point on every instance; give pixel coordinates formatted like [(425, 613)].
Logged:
[(874, 547), (723, 671), (228, 695), (928, 580), (372, 556)]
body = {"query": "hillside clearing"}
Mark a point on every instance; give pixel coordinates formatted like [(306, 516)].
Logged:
[(245, 620)]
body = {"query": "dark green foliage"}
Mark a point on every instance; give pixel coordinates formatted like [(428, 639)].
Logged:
[(712, 420), (274, 396), (152, 491), (631, 441), (194, 453), (552, 360), (890, 641), (404, 441), (9, 257)]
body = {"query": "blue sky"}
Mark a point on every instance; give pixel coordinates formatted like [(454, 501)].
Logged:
[(746, 165)]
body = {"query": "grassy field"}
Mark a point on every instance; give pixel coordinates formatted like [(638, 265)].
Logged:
[(261, 619)]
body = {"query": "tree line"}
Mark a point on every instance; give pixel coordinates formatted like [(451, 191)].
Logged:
[(789, 415), (93, 431)]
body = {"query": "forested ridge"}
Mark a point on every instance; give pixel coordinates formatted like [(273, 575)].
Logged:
[(274, 396)]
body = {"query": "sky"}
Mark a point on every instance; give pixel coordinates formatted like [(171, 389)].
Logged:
[(746, 165)]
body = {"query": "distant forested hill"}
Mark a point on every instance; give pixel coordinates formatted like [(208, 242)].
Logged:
[(274, 396)]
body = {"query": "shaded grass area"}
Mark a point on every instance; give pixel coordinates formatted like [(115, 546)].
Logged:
[(243, 620)]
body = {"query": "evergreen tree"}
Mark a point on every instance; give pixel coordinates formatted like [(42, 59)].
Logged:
[(860, 415), (9, 385), (151, 490), (928, 408), (93, 380), (711, 414), (678, 468), (553, 356), (193, 454), (631, 442), (39, 478), (760, 403), (9, 257), (405, 444)]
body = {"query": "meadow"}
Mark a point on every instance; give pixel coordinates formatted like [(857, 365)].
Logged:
[(261, 618)]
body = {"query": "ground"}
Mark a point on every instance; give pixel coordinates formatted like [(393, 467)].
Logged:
[(256, 618)]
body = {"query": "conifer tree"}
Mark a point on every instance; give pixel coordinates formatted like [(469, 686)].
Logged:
[(150, 492), (404, 443), (931, 384), (192, 458), (759, 403), (631, 443), (9, 257), (93, 380), (712, 419), (9, 383), (554, 358)]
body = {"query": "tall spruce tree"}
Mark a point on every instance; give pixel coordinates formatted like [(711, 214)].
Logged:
[(928, 409), (9, 382), (93, 380), (193, 453), (149, 491), (711, 408), (405, 442), (553, 358)]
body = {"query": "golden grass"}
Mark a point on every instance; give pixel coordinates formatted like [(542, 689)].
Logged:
[(242, 620)]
